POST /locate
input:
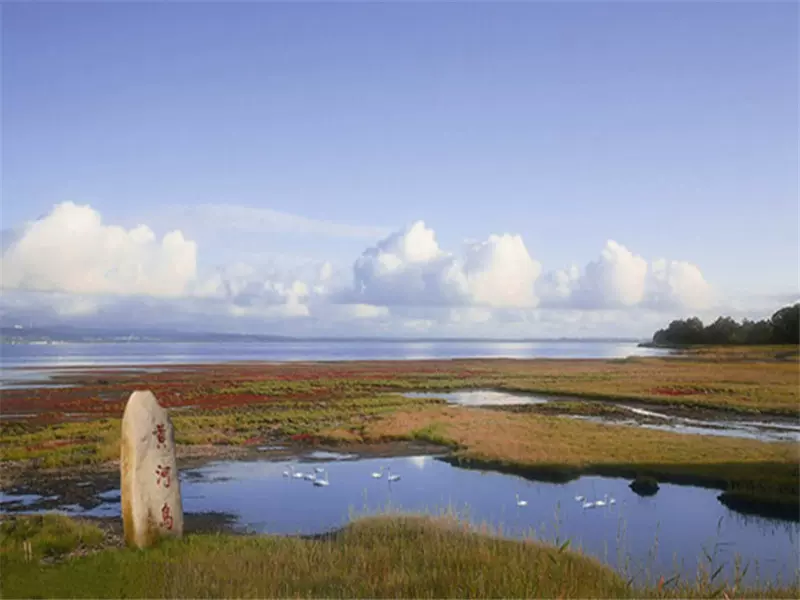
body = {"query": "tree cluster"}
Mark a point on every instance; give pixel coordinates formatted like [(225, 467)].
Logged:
[(783, 327)]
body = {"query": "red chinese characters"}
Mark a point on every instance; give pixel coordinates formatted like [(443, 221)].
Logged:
[(163, 473), (161, 435), (166, 516)]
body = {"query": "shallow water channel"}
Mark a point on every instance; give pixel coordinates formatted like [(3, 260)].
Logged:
[(678, 523), (765, 431)]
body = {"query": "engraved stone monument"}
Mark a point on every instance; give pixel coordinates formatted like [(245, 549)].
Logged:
[(151, 492)]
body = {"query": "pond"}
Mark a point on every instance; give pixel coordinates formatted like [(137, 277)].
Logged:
[(679, 521), (765, 431), (480, 397)]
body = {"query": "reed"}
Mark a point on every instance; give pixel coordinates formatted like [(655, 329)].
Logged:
[(388, 555)]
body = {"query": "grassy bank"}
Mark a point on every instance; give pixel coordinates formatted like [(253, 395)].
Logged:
[(399, 556), (747, 468), (97, 441)]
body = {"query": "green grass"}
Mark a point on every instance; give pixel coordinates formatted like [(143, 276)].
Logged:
[(572, 407), (65, 444), (93, 442), (49, 535), (378, 557), (434, 434)]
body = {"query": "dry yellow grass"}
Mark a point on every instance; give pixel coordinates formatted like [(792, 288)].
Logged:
[(719, 381), (560, 443)]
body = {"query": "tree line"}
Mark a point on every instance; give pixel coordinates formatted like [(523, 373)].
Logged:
[(783, 327)]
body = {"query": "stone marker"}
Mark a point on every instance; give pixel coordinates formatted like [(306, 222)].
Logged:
[(151, 492)]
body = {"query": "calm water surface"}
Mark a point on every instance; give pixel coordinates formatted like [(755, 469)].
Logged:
[(679, 520), (121, 353)]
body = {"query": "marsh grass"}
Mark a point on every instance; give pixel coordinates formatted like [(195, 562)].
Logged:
[(309, 403), (377, 556), (92, 442), (63, 444), (746, 470), (48, 535), (566, 448), (744, 380)]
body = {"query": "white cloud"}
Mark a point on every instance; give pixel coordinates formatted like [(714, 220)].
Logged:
[(409, 268), (620, 279), (71, 250), (501, 273), (615, 280), (555, 288), (405, 284), (677, 284), (342, 313), (248, 291), (366, 311), (470, 315)]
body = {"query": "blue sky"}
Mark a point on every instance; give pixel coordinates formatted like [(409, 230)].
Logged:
[(670, 128)]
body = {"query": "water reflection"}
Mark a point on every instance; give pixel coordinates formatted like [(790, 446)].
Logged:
[(679, 520), (481, 397)]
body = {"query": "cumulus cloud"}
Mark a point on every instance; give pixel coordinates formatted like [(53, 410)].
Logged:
[(248, 291), (409, 268), (677, 284), (72, 250), (556, 287), (620, 279), (501, 273), (615, 280), (83, 268)]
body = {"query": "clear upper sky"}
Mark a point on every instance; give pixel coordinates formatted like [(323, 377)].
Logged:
[(671, 128)]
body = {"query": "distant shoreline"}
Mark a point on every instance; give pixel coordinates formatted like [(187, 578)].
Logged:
[(331, 340)]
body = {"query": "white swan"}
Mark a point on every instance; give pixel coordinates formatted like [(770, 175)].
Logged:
[(296, 474), (319, 469), (378, 474), (521, 502), (602, 502), (288, 472), (322, 482), (580, 498), (588, 505), (310, 476), (612, 501), (392, 477)]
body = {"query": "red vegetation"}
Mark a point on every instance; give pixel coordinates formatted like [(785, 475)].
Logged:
[(51, 444), (678, 391), (199, 385)]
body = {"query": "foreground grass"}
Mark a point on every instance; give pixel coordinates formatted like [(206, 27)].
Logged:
[(748, 468), (379, 557), (48, 536)]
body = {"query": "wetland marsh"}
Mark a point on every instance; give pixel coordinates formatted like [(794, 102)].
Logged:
[(719, 434)]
